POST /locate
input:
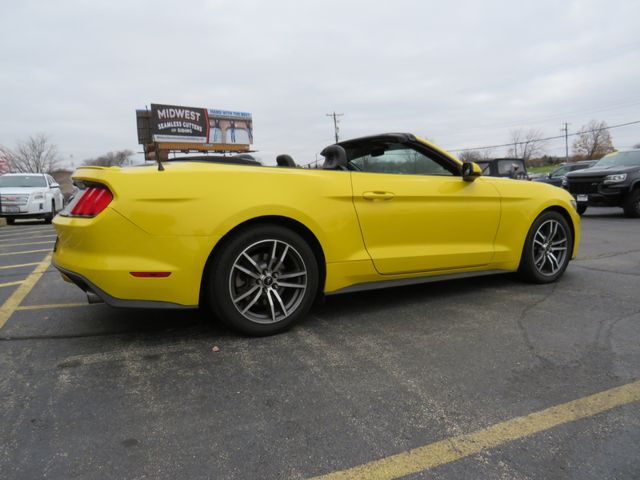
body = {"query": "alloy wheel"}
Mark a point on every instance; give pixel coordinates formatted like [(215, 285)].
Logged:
[(550, 245), (268, 281)]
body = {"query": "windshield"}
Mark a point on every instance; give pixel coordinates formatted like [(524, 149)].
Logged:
[(621, 159), (505, 167), (485, 167), (22, 181)]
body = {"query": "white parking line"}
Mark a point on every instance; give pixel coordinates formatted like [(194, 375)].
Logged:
[(10, 284), (30, 238), (24, 233), (4, 267), (27, 243), (25, 251)]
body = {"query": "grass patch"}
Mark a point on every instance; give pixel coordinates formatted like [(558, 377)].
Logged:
[(545, 169)]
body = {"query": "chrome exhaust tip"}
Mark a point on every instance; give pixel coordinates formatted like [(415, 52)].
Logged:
[(93, 298)]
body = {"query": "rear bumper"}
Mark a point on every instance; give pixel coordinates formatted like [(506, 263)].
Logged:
[(88, 287), (24, 215), (30, 210), (98, 254)]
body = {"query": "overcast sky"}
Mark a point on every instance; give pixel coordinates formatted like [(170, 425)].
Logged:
[(463, 73)]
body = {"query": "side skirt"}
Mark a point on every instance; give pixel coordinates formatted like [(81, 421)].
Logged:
[(401, 282)]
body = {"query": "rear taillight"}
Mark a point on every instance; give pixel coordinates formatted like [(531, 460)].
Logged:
[(91, 202)]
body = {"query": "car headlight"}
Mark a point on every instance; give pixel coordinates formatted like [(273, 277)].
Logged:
[(618, 177), (38, 196)]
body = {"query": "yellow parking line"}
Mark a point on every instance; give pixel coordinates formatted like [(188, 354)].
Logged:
[(25, 251), (19, 265), (53, 305), (22, 291), (10, 284), (461, 446), (28, 243)]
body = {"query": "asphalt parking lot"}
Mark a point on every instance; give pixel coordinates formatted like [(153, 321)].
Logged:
[(481, 378)]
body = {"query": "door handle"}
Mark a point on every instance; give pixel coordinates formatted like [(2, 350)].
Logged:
[(378, 195)]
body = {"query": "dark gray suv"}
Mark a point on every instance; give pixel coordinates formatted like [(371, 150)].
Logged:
[(612, 182), (557, 176)]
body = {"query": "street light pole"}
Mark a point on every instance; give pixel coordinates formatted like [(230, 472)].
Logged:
[(566, 141), (335, 124)]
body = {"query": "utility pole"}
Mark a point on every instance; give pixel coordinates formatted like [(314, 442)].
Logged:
[(335, 123), (566, 141)]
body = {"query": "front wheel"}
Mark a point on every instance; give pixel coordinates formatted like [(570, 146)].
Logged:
[(263, 280), (48, 218), (547, 249)]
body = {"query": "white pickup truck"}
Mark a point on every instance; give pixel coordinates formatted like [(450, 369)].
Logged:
[(29, 195)]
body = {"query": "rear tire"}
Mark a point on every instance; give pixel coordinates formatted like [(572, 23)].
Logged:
[(632, 204), (547, 250), (264, 279)]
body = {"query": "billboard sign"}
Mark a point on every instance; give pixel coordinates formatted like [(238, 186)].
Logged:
[(172, 123), (211, 127)]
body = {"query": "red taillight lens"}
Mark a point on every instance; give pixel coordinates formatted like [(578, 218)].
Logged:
[(93, 201)]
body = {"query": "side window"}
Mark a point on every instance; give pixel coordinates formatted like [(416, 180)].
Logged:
[(401, 160)]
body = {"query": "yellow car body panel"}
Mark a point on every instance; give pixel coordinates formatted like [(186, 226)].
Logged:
[(172, 220)]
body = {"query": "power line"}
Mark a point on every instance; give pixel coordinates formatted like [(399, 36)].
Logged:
[(566, 135), (569, 114)]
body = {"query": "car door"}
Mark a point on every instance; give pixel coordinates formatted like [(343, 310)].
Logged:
[(418, 215)]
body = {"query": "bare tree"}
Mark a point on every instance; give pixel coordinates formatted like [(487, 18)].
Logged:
[(36, 154), (526, 144), (5, 160), (476, 155), (594, 141), (111, 159)]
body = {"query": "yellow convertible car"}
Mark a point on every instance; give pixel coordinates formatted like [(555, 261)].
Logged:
[(259, 244)]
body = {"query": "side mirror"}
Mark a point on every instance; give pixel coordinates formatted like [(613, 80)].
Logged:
[(54, 185), (470, 171)]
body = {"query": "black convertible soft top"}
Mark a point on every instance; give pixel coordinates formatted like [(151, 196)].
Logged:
[(382, 138)]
